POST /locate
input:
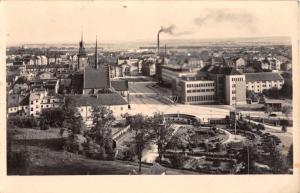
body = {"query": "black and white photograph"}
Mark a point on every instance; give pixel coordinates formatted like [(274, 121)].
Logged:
[(149, 88)]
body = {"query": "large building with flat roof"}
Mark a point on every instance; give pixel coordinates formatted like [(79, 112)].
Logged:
[(195, 90), (230, 85)]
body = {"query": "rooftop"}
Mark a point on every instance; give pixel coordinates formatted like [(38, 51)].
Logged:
[(263, 76), (225, 70), (120, 85), (96, 78), (108, 99)]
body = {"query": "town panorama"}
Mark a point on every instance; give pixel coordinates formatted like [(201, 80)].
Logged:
[(216, 107)]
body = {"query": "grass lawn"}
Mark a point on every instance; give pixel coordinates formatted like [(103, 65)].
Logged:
[(47, 158)]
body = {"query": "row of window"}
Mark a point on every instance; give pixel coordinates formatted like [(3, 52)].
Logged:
[(200, 90), (200, 85), (42, 106), (44, 101), (200, 98), (237, 79)]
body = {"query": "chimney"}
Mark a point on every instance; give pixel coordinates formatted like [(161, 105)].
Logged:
[(158, 43), (96, 55)]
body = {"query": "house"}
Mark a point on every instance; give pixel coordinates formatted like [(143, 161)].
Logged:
[(85, 104), (258, 82), (39, 100), (18, 105), (239, 63)]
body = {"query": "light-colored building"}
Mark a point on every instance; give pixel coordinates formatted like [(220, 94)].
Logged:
[(113, 101), (39, 100), (230, 85), (258, 82), (239, 63), (195, 90), (235, 89), (170, 73)]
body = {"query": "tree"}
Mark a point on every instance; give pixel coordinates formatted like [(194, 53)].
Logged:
[(100, 135), (73, 124), (177, 160), (248, 156), (290, 156), (277, 160), (284, 129), (140, 125), (162, 132), (286, 110), (53, 116)]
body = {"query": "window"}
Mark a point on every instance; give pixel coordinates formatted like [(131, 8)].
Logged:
[(46, 105), (31, 102), (37, 101), (42, 106), (31, 109)]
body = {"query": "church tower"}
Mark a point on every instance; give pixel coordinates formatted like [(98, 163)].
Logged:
[(82, 57)]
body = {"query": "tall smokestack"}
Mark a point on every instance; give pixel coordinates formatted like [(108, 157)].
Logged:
[(96, 54), (158, 42)]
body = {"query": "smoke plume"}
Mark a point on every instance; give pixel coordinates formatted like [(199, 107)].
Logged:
[(171, 31), (238, 18)]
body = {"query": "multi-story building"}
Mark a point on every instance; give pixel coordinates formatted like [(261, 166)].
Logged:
[(170, 73), (39, 100), (148, 68), (258, 82), (85, 104), (230, 85), (195, 90), (235, 89)]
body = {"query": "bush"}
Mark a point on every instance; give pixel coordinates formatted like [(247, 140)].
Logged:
[(22, 122), (177, 160), (94, 151), (284, 129), (17, 160)]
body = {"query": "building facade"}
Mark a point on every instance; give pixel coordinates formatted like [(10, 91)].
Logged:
[(258, 82), (196, 90)]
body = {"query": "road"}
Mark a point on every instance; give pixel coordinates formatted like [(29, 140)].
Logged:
[(147, 100)]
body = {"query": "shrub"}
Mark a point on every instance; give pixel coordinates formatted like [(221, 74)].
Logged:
[(177, 160), (17, 160)]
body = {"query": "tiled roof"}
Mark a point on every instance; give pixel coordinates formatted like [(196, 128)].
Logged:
[(24, 100), (263, 76), (220, 70), (96, 78), (120, 85), (12, 100), (108, 99)]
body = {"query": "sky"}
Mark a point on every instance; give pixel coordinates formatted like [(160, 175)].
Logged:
[(126, 21)]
